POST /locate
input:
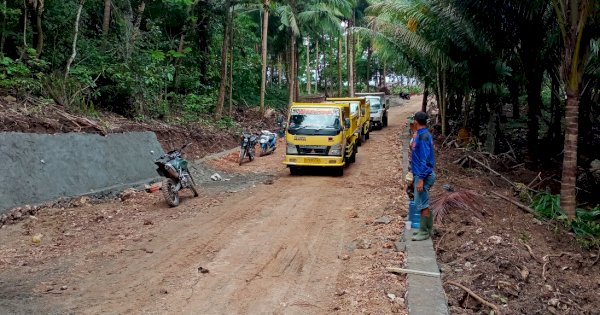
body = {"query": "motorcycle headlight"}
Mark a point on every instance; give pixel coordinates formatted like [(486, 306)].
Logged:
[(291, 149), (336, 150)]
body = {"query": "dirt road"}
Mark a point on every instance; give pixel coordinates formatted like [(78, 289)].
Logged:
[(292, 245)]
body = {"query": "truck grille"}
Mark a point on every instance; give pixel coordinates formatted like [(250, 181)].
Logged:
[(313, 150)]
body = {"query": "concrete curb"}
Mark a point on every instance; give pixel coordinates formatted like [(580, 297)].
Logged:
[(425, 294)]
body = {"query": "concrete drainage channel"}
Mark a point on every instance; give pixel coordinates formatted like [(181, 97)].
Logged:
[(38, 168), (425, 293)]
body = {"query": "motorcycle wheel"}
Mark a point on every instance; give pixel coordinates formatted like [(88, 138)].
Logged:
[(242, 155), (171, 196), (252, 154), (193, 186)]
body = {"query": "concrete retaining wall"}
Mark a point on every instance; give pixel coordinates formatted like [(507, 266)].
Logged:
[(36, 168)]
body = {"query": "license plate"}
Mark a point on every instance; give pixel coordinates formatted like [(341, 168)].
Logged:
[(311, 160)]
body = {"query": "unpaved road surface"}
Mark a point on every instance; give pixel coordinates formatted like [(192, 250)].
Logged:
[(279, 245)]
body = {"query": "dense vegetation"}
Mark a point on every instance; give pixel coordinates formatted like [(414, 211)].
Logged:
[(511, 73)]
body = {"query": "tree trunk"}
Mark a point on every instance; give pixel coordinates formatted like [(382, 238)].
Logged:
[(138, 21), (339, 60), (317, 66), (4, 21), (290, 73), (39, 10), (231, 48), (201, 10), (279, 70), (296, 71), (568, 197), (176, 77), (308, 76), (350, 58), (384, 78), (492, 131), (224, 61), (425, 96), (24, 29), (106, 18), (75, 34), (513, 88), (369, 55), (263, 78)]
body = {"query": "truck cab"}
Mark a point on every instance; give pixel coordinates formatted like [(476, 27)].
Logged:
[(379, 108), (320, 135)]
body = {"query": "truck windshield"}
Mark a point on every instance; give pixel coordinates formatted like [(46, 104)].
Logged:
[(318, 121), (375, 103)]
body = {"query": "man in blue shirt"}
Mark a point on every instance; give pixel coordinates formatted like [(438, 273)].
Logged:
[(422, 167)]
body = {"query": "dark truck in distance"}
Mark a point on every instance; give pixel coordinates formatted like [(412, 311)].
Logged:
[(379, 108)]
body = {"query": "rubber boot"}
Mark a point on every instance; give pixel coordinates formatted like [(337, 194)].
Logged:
[(423, 233), (422, 223)]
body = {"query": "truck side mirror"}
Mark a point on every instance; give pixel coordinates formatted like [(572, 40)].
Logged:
[(347, 123), (363, 111)]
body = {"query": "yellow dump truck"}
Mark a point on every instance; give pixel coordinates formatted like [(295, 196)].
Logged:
[(360, 107), (320, 135)]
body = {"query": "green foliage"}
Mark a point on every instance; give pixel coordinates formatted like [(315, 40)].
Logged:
[(22, 76), (407, 89), (548, 206), (586, 225)]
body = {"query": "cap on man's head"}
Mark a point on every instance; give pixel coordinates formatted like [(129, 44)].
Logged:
[(421, 117)]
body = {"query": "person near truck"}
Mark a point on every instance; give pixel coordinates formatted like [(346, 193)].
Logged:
[(422, 164)]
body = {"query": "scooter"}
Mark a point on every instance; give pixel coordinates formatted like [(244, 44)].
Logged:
[(174, 168), (268, 141)]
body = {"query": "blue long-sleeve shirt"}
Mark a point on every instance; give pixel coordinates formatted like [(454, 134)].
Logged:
[(423, 159)]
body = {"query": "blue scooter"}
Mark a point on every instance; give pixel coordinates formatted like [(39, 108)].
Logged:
[(267, 141)]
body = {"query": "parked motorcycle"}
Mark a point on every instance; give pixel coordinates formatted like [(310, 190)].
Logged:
[(268, 141), (281, 125), (174, 168), (405, 96), (247, 147)]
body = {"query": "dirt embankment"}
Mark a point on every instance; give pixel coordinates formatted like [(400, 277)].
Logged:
[(260, 241), (32, 116), (507, 256)]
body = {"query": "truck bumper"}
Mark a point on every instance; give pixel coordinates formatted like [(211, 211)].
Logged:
[(310, 160)]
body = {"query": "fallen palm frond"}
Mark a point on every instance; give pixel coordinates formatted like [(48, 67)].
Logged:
[(467, 200)]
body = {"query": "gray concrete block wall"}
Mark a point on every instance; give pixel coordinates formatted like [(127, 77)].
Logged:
[(36, 168)]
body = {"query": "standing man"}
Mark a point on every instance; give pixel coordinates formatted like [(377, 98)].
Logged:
[(422, 167)]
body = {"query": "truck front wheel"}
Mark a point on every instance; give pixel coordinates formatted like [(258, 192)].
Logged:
[(294, 171), (338, 171), (352, 158)]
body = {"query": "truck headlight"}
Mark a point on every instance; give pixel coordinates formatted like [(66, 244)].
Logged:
[(291, 149), (336, 150)]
